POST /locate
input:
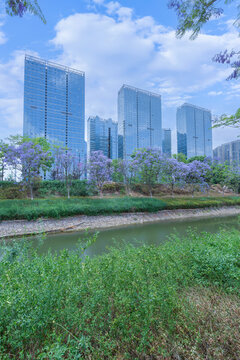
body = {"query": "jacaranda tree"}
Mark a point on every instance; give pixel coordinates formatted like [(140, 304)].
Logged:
[(30, 160), (148, 164), (196, 177), (66, 167), (100, 170), (174, 173)]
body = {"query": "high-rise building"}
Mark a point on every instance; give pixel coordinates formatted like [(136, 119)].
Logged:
[(229, 153), (167, 142), (54, 104), (102, 135), (139, 120), (194, 131)]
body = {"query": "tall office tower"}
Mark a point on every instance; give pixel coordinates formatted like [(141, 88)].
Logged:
[(102, 135), (167, 142), (54, 104), (139, 120), (229, 152), (194, 131)]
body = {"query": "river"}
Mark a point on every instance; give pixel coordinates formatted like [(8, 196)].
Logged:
[(151, 234)]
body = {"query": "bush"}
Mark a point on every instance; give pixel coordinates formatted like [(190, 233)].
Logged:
[(13, 192), (176, 301), (113, 187)]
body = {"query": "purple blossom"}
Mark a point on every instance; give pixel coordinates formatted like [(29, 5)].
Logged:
[(100, 170)]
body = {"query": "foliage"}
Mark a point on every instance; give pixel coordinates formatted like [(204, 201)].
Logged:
[(180, 157), (175, 173), (56, 208), (30, 159), (196, 175), (66, 167), (20, 7), (100, 170), (148, 165), (132, 303)]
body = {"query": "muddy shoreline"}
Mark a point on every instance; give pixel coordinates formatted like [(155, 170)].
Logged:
[(16, 228)]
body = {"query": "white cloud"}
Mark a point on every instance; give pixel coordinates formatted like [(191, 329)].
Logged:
[(215, 93), (11, 94), (116, 48)]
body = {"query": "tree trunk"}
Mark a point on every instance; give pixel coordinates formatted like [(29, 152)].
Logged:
[(68, 192)]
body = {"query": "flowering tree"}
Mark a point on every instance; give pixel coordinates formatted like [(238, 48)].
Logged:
[(30, 160), (124, 172), (66, 167), (174, 172), (148, 164), (100, 169), (20, 7), (197, 172)]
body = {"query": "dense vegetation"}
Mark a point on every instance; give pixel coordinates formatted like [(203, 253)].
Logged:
[(28, 161), (176, 301), (56, 208)]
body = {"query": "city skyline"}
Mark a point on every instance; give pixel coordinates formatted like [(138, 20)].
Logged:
[(180, 70)]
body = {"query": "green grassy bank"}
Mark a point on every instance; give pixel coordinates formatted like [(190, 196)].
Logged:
[(176, 301), (56, 208)]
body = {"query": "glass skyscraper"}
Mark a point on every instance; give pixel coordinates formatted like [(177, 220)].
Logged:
[(167, 142), (139, 120), (102, 135), (229, 152), (54, 104), (194, 131)]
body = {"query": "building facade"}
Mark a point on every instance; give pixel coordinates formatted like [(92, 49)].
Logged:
[(54, 104), (139, 120), (102, 134), (194, 131), (229, 153), (167, 142)]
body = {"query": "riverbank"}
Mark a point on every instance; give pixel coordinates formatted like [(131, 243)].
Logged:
[(13, 228), (179, 300)]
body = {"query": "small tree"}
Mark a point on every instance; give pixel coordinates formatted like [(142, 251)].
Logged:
[(148, 164), (66, 167), (196, 176), (100, 170), (30, 160), (123, 172), (174, 173)]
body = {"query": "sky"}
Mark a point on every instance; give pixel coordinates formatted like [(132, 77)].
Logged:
[(121, 42)]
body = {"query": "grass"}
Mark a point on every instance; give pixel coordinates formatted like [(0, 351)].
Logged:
[(180, 300), (57, 208)]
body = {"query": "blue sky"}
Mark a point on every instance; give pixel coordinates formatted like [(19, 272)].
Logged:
[(130, 41)]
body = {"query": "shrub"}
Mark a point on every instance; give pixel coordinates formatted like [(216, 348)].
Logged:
[(13, 192), (113, 187), (133, 303)]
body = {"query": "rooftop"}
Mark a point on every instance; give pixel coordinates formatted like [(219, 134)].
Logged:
[(50, 63), (195, 106), (139, 90)]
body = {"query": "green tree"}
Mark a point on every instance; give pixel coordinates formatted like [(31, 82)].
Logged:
[(180, 157)]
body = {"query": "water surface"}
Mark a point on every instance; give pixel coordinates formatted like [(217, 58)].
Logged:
[(149, 234)]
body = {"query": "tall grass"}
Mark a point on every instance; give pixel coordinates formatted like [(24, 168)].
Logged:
[(176, 301), (56, 208)]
